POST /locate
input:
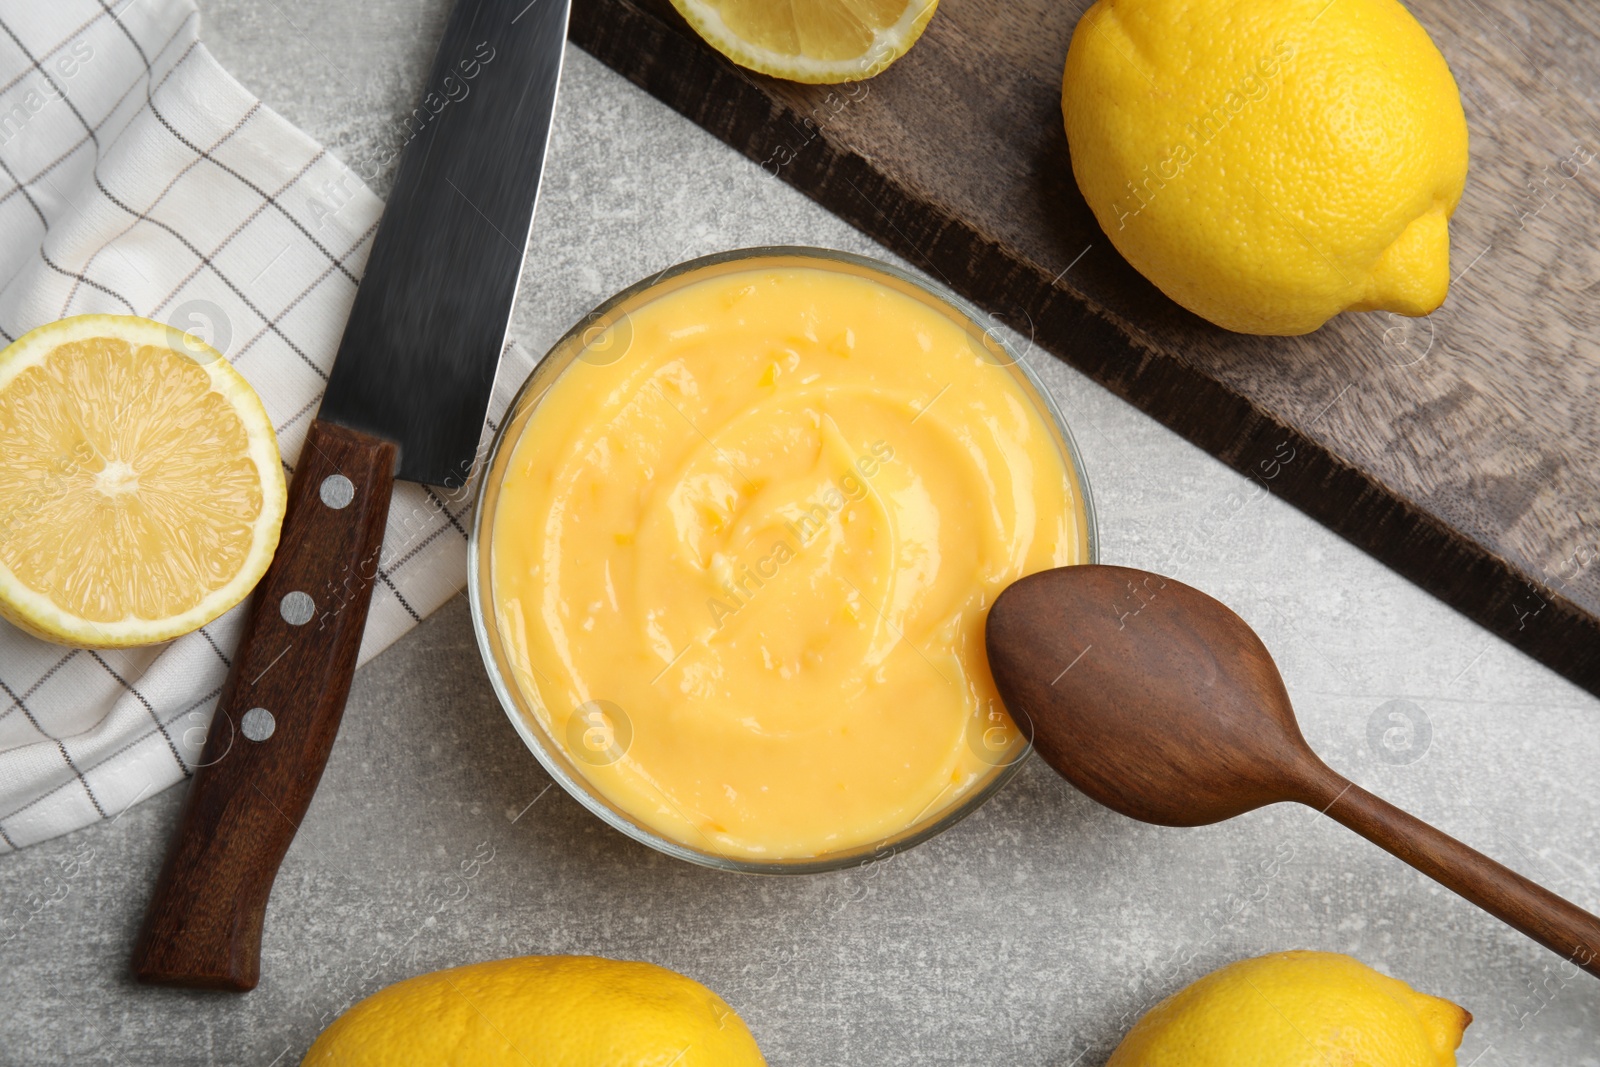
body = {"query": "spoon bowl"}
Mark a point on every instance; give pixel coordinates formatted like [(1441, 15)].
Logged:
[(1149, 696)]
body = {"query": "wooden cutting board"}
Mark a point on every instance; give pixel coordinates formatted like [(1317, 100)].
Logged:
[(1462, 450)]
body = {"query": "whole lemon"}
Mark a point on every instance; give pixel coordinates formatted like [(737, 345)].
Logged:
[(540, 1011), (1269, 163), (1296, 1009)]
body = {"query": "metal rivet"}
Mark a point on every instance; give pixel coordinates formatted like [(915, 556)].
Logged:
[(337, 491), (297, 608), (258, 724)]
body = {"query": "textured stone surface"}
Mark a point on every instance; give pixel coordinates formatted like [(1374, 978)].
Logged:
[(1031, 934)]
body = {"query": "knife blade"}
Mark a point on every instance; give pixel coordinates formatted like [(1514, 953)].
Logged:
[(406, 398)]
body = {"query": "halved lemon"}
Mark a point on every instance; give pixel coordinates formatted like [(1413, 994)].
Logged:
[(140, 486), (817, 41)]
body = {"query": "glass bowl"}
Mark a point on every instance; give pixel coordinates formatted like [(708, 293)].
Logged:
[(519, 705)]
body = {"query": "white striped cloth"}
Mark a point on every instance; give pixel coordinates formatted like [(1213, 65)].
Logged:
[(137, 177)]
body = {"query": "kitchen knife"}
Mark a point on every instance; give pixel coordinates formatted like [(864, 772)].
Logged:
[(406, 398)]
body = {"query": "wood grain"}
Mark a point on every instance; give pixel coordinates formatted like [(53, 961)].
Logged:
[(1161, 703), (295, 660), (1462, 450)]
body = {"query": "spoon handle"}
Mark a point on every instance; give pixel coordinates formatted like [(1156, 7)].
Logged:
[(1557, 924)]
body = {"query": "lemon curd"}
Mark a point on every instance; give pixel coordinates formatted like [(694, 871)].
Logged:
[(743, 547)]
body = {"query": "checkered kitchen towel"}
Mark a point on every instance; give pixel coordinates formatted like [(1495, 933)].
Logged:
[(137, 177)]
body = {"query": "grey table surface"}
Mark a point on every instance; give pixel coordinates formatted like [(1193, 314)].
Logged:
[(1032, 933)]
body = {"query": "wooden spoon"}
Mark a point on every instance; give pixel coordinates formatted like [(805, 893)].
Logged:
[(1161, 703)]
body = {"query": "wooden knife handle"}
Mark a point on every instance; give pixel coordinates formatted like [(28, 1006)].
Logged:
[(276, 719)]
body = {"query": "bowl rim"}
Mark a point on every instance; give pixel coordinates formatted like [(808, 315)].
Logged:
[(479, 560)]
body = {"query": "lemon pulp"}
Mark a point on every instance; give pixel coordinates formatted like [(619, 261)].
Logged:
[(141, 488), (810, 40)]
